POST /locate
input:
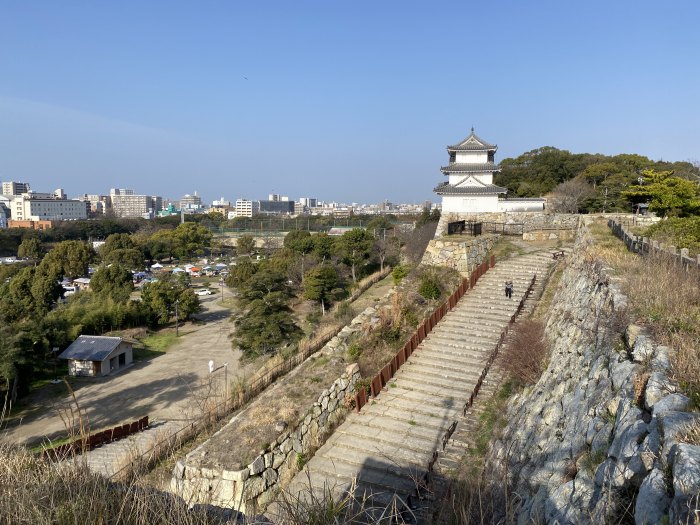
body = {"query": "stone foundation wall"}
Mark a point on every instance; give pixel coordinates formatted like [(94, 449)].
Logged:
[(461, 255), (531, 220), (255, 485), (549, 235), (598, 432)]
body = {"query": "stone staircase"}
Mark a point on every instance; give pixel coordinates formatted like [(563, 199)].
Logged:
[(112, 458), (379, 457)]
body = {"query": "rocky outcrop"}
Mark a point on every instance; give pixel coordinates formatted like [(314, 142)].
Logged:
[(597, 437)]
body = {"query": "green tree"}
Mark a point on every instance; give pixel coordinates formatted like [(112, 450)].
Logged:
[(266, 322), (130, 258), (667, 195), (192, 239), (240, 273), (245, 245), (162, 245), (323, 246), (354, 248), (301, 243), (70, 258), (113, 281), (31, 248), (160, 298), (116, 241), (320, 284)]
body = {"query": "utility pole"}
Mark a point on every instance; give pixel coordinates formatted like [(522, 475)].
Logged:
[(177, 319)]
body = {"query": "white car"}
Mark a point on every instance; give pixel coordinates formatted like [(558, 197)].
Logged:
[(203, 291)]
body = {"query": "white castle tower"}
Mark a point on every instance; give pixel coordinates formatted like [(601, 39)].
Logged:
[(470, 187)]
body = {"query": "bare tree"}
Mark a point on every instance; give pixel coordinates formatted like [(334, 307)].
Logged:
[(570, 195)]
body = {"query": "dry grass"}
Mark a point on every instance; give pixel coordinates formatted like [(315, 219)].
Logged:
[(35, 492), (690, 434), (663, 297), (524, 357)]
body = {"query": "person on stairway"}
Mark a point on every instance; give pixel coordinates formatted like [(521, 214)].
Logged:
[(509, 289)]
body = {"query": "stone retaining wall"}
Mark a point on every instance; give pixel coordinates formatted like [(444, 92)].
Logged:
[(198, 479), (598, 432), (249, 488), (462, 255), (531, 221)]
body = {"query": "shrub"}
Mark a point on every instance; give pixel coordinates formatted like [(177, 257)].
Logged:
[(344, 312), (354, 352), (429, 288), (524, 357), (398, 273)]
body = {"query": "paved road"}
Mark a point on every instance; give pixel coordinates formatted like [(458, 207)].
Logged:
[(169, 387)]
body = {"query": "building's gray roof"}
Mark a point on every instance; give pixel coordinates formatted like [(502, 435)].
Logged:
[(447, 189), (469, 167), (472, 143), (91, 348)]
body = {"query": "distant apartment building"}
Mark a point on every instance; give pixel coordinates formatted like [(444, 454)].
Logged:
[(277, 207), (275, 197), (125, 203), (99, 204), (15, 188), (223, 207), (247, 208), (32, 206), (191, 202)]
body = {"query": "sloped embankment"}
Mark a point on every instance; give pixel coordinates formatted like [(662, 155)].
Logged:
[(598, 438)]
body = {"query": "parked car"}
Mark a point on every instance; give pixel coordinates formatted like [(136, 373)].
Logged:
[(203, 291)]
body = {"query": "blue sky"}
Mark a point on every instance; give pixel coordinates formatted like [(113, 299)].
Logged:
[(347, 101)]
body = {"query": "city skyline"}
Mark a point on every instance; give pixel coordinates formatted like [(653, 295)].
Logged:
[(351, 103)]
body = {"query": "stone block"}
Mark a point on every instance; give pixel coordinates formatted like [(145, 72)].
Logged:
[(257, 466), (686, 469), (268, 459), (270, 476), (672, 402), (652, 501), (236, 475), (253, 487), (658, 387)]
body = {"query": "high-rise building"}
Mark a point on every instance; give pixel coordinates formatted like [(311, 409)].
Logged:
[(125, 203), (15, 188), (191, 202), (246, 207), (46, 207), (280, 207)]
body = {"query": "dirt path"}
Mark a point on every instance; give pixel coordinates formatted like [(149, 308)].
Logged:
[(171, 386)]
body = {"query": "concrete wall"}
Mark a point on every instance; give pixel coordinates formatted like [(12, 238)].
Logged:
[(598, 431), (256, 484), (461, 255)]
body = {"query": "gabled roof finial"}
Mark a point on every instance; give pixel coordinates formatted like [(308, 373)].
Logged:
[(472, 129)]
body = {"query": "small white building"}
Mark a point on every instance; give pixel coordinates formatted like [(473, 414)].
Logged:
[(97, 355), (470, 188)]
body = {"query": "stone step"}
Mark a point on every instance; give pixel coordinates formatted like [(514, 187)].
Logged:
[(441, 360), (392, 432), (463, 374), (375, 438), (459, 385), (394, 451), (430, 405), (420, 399), (398, 466), (436, 421), (465, 350), (370, 474), (396, 430)]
